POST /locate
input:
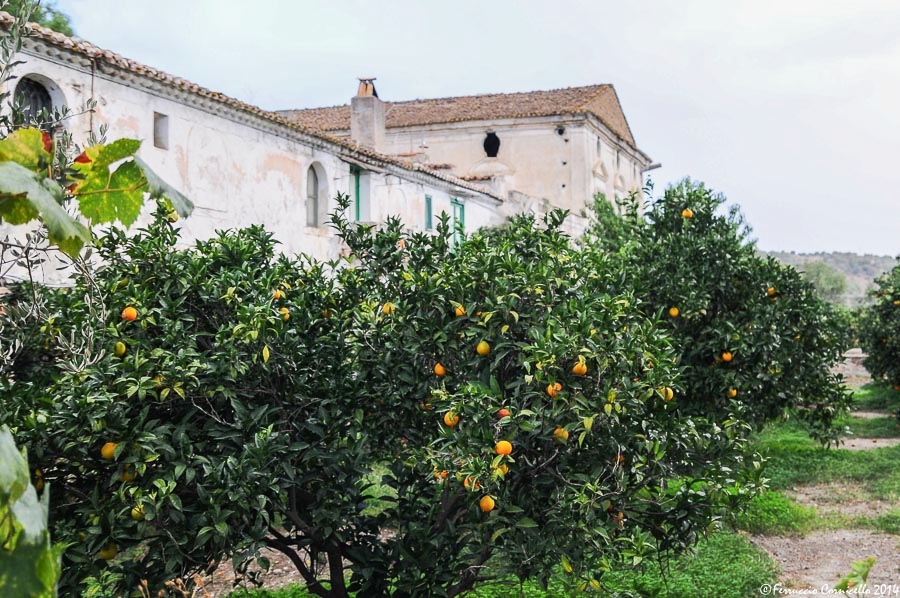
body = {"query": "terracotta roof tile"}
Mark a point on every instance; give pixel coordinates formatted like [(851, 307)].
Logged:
[(599, 100)]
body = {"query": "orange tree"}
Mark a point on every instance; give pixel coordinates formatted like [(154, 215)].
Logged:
[(880, 329), (414, 420), (531, 412), (751, 334), (172, 399)]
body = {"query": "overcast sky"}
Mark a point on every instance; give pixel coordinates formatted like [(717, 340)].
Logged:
[(791, 108)]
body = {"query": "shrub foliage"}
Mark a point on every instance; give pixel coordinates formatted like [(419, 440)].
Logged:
[(752, 335), (257, 400), (880, 329)]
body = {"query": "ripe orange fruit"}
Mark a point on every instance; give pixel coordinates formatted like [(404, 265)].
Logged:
[(128, 473), (727, 356), (440, 475), (732, 392), (674, 311), (483, 348), (667, 393), (553, 389), (486, 503), (451, 419), (561, 435), (619, 460), (388, 308), (504, 413), (770, 291), (460, 311), (503, 447), (120, 348), (108, 451), (687, 213), (278, 294), (285, 313), (468, 482), (129, 314), (439, 370), (579, 369), (501, 469)]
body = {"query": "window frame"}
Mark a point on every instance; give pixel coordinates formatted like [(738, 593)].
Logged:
[(312, 197), (458, 209)]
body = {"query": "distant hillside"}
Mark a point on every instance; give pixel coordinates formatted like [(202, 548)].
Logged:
[(860, 270)]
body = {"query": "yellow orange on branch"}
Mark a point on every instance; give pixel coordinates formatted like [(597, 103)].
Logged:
[(451, 419), (503, 447), (108, 451), (486, 504)]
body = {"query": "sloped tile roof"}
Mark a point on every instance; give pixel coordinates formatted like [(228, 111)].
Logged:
[(599, 100), (344, 147)]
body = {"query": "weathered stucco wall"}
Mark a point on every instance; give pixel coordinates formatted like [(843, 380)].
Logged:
[(561, 159), (237, 173)]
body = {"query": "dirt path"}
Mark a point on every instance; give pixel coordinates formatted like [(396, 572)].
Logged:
[(820, 559)]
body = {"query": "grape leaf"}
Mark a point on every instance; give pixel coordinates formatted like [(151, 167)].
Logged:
[(104, 197), (160, 188), (26, 147), (25, 195)]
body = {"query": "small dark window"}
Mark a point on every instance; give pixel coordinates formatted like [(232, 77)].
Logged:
[(160, 130), (491, 145), (312, 197), (33, 98)]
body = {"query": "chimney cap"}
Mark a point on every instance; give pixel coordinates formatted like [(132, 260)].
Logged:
[(366, 87)]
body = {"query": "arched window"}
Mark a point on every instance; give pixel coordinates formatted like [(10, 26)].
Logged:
[(312, 197), (33, 97)]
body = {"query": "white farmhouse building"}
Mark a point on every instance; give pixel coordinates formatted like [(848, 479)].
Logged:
[(536, 150), (479, 158)]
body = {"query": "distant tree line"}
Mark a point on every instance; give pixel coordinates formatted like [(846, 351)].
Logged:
[(840, 277)]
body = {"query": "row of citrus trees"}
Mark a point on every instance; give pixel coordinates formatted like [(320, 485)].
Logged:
[(880, 329), (421, 416)]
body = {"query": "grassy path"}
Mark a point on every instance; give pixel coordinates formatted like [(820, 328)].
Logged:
[(827, 509)]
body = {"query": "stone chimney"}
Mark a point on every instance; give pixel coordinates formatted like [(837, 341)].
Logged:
[(367, 116)]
